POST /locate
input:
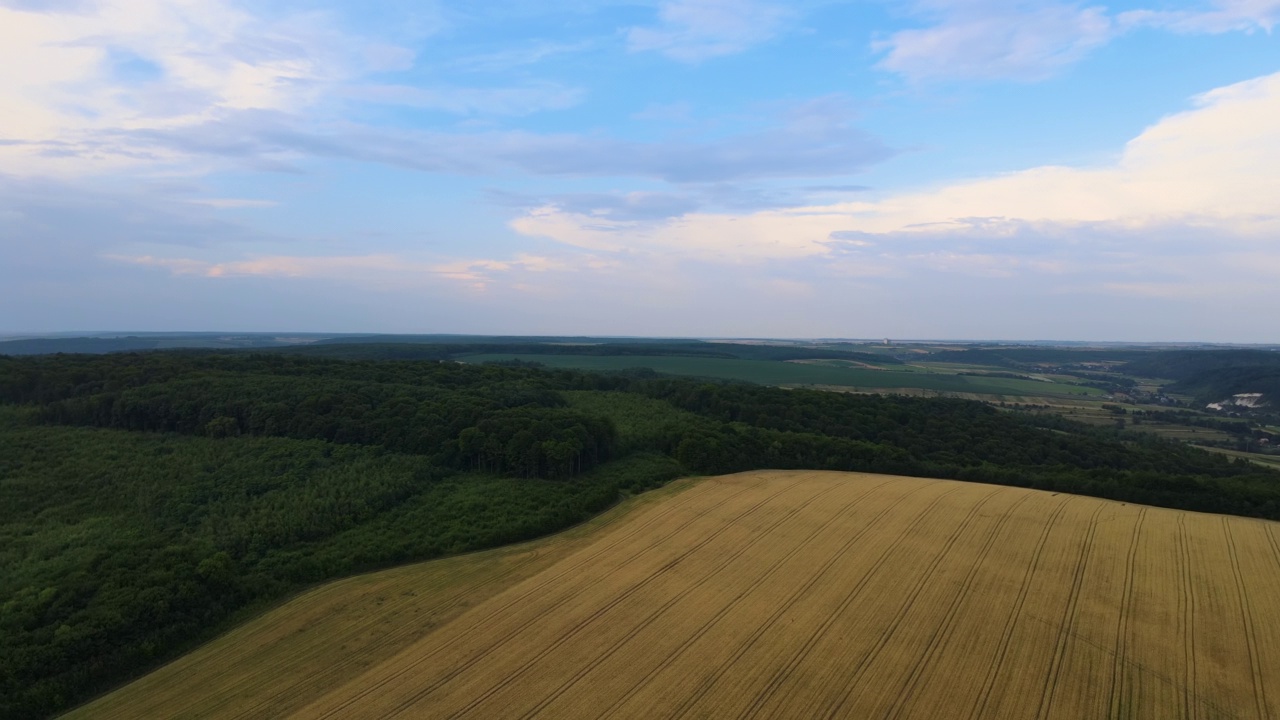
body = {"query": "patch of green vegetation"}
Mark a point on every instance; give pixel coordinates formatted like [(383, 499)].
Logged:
[(641, 422)]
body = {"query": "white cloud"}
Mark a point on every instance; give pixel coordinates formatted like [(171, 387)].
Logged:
[(695, 30), (815, 138), (1222, 16), (80, 87), (1192, 194), (74, 84), (1216, 165), (711, 236), (374, 269), (978, 39), (1018, 39)]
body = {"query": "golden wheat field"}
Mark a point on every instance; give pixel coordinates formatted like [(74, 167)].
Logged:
[(817, 595)]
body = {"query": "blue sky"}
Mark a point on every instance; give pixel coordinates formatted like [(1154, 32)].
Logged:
[(915, 168)]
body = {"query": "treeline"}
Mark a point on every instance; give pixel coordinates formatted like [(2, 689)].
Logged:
[(949, 438), (462, 417), (527, 433), (344, 348)]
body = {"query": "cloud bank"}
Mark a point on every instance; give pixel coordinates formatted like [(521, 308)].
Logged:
[(1188, 203)]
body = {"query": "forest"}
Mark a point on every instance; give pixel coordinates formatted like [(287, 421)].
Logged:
[(150, 500)]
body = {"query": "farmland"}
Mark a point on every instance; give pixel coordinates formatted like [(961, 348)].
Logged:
[(811, 594), (765, 372), (153, 502)]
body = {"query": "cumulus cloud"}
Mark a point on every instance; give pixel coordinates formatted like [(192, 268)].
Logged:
[(1214, 165), (71, 81), (1189, 203), (695, 30)]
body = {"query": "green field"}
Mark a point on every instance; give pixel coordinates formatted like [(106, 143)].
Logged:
[(1269, 461), (767, 372)]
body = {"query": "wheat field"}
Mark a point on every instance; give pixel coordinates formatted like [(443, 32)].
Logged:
[(815, 595), (804, 594)]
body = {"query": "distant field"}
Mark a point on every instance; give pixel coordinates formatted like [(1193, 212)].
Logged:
[(790, 373), (1271, 461), (798, 594), (1183, 432)]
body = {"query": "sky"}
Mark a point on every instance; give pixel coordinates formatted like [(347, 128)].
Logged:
[(947, 169)]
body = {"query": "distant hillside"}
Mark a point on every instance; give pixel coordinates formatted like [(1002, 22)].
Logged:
[(449, 339), (1023, 357), (384, 349), (435, 347), (1213, 375), (133, 343)]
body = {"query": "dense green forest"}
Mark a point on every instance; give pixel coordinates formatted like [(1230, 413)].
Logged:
[(147, 500)]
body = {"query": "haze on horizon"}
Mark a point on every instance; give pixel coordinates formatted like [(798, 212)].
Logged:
[(714, 168)]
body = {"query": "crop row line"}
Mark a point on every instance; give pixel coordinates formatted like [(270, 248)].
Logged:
[(1015, 613), (1065, 627), (475, 659), (1117, 699), (760, 580), (724, 562), (782, 609), (1188, 618), (942, 634), (905, 608), (1246, 617), (372, 688), (260, 709), (798, 656)]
